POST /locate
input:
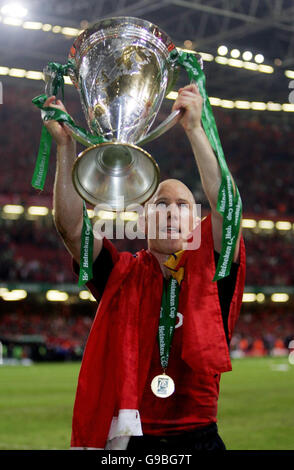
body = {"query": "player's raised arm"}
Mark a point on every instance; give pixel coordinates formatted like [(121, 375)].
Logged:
[(67, 204), (190, 100)]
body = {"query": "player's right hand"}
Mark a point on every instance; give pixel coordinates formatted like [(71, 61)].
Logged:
[(59, 132)]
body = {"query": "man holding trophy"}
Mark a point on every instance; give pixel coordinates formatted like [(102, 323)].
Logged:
[(150, 374)]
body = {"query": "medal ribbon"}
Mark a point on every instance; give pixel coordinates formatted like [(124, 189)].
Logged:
[(167, 320), (86, 256), (229, 203)]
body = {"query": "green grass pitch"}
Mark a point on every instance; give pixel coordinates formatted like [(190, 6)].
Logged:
[(256, 407)]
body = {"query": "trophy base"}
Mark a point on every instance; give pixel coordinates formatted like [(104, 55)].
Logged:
[(115, 175)]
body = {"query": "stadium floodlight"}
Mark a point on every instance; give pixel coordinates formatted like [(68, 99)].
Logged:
[(248, 223), (14, 10), (106, 215), (265, 68), (13, 209), (258, 105), (215, 101), (259, 58), (131, 216), (283, 225), (222, 50), (289, 108), (249, 297), (235, 63), (221, 60), (227, 104), (4, 70), (56, 29), (250, 66), (235, 53), (38, 210), (260, 297), (266, 224), (47, 27), (14, 295), (207, 57), (91, 213), (84, 295), (280, 297), (34, 75), (19, 73), (289, 73), (12, 21), (240, 104), (56, 296), (32, 25), (70, 31), (273, 106), (247, 55)]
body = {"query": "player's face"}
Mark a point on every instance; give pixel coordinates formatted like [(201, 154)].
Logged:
[(170, 217)]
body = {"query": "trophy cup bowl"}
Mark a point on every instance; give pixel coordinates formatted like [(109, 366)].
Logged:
[(122, 69)]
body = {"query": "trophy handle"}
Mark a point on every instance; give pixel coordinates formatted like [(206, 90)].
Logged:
[(49, 76), (81, 138), (169, 122)]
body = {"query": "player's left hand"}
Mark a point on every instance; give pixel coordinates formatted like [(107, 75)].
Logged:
[(191, 101)]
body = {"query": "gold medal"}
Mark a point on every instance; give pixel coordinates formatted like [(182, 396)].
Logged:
[(162, 386)]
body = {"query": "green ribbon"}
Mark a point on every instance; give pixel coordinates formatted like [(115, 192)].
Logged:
[(167, 320), (42, 163), (86, 256), (40, 172), (229, 205)]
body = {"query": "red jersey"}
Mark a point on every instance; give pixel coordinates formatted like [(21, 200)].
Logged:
[(194, 402), (120, 359)]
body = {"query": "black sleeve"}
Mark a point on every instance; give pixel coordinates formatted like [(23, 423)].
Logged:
[(102, 267), (226, 287)]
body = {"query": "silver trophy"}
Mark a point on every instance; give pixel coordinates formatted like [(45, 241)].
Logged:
[(122, 69)]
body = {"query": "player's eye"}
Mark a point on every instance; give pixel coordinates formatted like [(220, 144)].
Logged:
[(161, 204), (184, 205)]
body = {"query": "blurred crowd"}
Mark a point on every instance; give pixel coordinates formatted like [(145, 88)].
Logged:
[(60, 332), (29, 331), (269, 259), (259, 154), (265, 331), (33, 251)]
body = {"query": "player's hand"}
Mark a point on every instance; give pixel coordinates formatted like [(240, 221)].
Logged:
[(59, 132), (191, 101)]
